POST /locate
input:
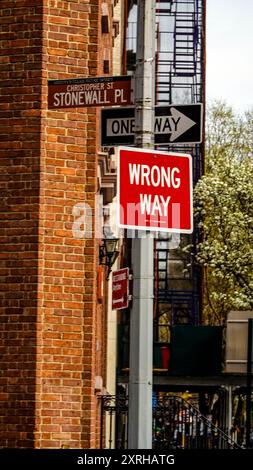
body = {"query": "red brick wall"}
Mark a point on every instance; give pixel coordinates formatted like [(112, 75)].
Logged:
[(20, 78), (105, 40), (52, 331), (105, 47)]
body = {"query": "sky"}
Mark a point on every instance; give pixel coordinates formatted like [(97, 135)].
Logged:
[(230, 52)]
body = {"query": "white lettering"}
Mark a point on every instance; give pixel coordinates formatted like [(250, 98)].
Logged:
[(117, 95), (77, 98), (116, 287), (86, 86), (104, 100), (62, 98), (145, 201), (154, 460), (68, 99), (165, 204), (154, 176), (81, 102), (94, 460), (165, 176), (155, 179), (134, 173), (88, 97), (95, 97), (145, 174), (159, 204), (56, 99), (119, 277), (175, 181), (170, 459), (156, 205)]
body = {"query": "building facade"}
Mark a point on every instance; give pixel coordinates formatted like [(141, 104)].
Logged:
[(57, 326), (52, 290)]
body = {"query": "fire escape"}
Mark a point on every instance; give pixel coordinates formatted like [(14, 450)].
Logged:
[(179, 80), (203, 421)]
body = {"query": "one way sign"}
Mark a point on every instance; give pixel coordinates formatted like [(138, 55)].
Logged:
[(173, 124)]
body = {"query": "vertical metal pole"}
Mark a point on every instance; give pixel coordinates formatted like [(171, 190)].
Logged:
[(227, 421), (141, 324), (249, 383), (102, 423), (230, 410)]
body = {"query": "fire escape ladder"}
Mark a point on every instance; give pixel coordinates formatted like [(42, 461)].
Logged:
[(185, 41), (181, 302), (164, 53)]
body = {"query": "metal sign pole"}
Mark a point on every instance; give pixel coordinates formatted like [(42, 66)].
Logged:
[(141, 325), (249, 442)]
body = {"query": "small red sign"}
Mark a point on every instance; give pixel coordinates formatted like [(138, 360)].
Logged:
[(155, 190), (86, 92), (120, 288)]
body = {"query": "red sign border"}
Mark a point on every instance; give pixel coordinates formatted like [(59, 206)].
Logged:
[(118, 271), (155, 229)]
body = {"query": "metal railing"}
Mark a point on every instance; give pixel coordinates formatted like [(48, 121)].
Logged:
[(177, 424)]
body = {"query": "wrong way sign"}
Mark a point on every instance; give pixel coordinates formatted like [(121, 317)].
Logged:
[(173, 124), (155, 190)]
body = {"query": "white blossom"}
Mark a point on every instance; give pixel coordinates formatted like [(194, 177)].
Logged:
[(223, 200)]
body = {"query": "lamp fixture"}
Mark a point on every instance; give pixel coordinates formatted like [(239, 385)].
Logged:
[(108, 253)]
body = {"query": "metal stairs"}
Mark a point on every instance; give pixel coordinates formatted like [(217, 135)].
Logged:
[(185, 45), (172, 286)]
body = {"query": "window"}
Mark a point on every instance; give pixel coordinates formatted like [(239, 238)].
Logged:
[(104, 18)]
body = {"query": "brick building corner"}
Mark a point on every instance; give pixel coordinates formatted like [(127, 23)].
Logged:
[(52, 325)]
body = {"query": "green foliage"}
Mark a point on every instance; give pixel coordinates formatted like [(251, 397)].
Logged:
[(224, 210)]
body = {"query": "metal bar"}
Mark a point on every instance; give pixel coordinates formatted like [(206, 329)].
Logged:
[(102, 423), (110, 429), (141, 322), (249, 384)]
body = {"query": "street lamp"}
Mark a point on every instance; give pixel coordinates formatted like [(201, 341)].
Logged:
[(108, 252)]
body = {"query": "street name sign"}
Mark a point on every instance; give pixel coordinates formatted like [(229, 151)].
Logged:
[(86, 92), (154, 190), (173, 124), (120, 288)]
